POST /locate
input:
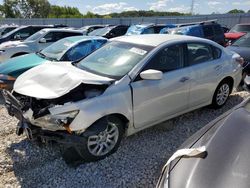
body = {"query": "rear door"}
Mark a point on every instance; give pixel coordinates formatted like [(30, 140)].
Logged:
[(207, 66), (156, 100)]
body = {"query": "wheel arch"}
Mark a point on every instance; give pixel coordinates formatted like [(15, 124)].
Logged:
[(228, 79), (19, 54)]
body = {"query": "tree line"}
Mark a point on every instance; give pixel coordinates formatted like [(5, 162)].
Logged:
[(43, 9)]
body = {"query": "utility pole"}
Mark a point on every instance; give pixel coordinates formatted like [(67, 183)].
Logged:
[(192, 7)]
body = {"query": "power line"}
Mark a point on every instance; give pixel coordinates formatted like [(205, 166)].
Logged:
[(192, 7)]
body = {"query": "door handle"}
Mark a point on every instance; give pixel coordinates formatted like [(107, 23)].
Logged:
[(184, 79)]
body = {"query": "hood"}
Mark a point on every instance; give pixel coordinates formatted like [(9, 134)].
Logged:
[(53, 80), (242, 51), (16, 66), (227, 161)]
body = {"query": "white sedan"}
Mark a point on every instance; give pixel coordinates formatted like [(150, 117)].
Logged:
[(131, 83), (35, 42)]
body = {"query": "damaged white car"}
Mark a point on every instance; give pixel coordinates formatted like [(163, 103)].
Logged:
[(131, 83)]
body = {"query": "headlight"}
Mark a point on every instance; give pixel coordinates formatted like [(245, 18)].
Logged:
[(53, 122)]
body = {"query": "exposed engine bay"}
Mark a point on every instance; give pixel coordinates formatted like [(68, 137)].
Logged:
[(40, 107)]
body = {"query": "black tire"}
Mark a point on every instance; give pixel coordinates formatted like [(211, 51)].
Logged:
[(216, 103), (82, 153)]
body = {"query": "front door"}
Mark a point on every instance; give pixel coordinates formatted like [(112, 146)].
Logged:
[(155, 100)]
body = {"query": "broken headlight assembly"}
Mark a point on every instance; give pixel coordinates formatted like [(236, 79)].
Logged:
[(53, 122)]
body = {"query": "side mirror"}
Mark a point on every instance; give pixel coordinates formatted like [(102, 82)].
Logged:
[(151, 75), (42, 40)]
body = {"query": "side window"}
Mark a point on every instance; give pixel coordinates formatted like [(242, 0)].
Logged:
[(68, 34), (208, 31), (24, 33), (216, 52), (150, 30), (168, 59), (199, 53), (36, 29), (158, 29), (82, 50)]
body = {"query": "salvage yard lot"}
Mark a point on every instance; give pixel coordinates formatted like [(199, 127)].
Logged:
[(137, 163)]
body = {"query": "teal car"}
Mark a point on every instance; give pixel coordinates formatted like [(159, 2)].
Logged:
[(71, 49)]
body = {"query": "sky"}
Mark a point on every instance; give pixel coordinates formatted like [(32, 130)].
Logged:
[(200, 6)]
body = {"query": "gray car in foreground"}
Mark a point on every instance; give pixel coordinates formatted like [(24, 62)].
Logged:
[(129, 84), (216, 156)]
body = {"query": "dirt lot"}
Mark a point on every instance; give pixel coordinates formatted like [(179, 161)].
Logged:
[(137, 163)]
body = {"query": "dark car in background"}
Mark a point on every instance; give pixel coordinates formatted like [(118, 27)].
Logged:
[(244, 27), (242, 47), (217, 156), (23, 32), (208, 29), (140, 29), (110, 31), (6, 29), (89, 28)]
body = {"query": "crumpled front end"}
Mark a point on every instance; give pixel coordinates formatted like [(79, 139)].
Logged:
[(32, 112)]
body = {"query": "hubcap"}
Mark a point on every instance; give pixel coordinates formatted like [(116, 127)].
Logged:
[(222, 94), (104, 142)]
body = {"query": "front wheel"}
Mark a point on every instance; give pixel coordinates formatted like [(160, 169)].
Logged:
[(102, 139), (221, 94)]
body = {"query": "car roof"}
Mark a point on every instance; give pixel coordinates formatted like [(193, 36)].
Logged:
[(84, 38), (62, 29), (154, 39)]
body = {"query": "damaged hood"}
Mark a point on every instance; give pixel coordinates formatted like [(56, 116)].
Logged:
[(53, 80)]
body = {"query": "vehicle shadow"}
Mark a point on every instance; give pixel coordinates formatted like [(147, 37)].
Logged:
[(137, 163)]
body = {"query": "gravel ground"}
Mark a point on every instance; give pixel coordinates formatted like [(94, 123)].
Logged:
[(137, 163)]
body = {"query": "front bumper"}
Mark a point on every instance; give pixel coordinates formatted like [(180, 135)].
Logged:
[(14, 107)]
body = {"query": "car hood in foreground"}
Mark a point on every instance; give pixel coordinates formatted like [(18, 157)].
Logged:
[(53, 80), (228, 156), (16, 66)]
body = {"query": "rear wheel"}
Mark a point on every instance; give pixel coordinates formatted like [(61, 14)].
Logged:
[(102, 139), (221, 94)]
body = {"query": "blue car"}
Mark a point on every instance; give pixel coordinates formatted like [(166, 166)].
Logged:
[(208, 30), (141, 29)]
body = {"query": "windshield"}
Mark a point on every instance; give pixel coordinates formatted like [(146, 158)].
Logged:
[(57, 49), (35, 36), (115, 59), (243, 41), (100, 32), (135, 29), (240, 28)]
